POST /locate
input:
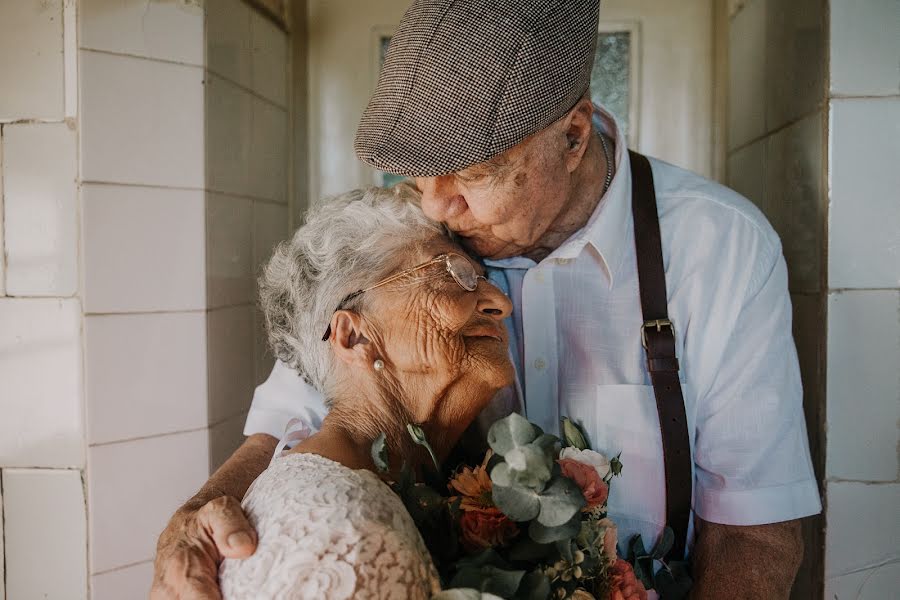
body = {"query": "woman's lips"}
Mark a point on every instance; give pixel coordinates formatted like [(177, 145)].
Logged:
[(485, 331)]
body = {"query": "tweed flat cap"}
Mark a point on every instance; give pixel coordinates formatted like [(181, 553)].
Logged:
[(465, 80)]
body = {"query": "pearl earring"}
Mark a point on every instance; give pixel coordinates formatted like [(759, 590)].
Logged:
[(378, 365)]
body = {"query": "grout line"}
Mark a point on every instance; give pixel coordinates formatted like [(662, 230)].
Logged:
[(122, 567), (148, 437), (863, 289), (863, 97), (208, 309), (244, 88), (208, 190), (2, 539), (818, 108), (862, 481), (167, 61)]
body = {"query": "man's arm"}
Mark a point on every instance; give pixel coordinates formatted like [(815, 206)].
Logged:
[(736, 562), (209, 527)]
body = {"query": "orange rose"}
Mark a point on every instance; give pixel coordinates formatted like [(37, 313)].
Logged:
[(485, 528), (623, 585), (475, 486), (595, 490)]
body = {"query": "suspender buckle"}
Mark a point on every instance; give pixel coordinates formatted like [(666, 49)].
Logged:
[(657, 324)]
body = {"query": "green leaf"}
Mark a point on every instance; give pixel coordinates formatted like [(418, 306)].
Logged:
[(564, 547), (379, 453), (516, 502), (666, 540), (636, 548), (673, 583), (527, 550), (573, 435), (458, 594), (488, 579), (510, 432), (559, 502), (548, 443), (547, 535), (529, 465), (615, 465)]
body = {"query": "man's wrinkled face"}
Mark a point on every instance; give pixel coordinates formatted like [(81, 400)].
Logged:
[(426, 324), (502, 207)]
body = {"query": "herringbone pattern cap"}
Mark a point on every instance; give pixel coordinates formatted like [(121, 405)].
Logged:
[(465, 80)]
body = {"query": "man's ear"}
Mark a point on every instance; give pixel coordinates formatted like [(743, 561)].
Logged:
[(577, 127), (348, 339)]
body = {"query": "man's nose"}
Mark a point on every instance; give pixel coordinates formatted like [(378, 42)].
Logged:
[(441, 199), (492, 302)]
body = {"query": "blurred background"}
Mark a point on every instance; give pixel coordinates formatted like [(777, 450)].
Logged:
[(153, 152)]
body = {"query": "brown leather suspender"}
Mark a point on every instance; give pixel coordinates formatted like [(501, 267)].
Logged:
[(658, 339)]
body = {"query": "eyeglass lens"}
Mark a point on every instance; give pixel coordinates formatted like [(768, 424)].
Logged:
[(462, 270)]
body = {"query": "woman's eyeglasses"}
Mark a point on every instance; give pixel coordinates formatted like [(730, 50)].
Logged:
[(459, 267)]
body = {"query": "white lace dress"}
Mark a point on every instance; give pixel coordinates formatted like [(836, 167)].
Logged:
[(326, 531)]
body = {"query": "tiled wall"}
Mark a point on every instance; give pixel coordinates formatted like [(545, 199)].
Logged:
[(814, 142), (776, 158), (143, 154), (862, 559), (42, 448)]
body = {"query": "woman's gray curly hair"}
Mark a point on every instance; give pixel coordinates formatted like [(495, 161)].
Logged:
[(347, 243)]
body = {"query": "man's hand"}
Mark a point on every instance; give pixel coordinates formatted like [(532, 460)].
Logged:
[(192, 546), (735, 562), (209, 528)]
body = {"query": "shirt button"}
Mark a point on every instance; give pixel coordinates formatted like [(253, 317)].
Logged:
[(563, 261), (539, 364), (539, 276)]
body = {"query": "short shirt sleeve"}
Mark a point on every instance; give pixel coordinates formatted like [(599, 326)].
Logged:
[(751, 450), (280, 398)]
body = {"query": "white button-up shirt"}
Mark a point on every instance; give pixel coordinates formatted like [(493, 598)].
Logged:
[(575, 341)]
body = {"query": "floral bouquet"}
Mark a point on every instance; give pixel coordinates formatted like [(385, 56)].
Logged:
[(529, 522)]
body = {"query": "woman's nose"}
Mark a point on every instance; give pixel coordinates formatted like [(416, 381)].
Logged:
[(441, 199), (492, 302)]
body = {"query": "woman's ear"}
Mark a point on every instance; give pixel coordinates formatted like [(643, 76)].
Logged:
[(348, 340)]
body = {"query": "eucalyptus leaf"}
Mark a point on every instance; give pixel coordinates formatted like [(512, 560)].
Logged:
[(646, 567), (666, 540), (458, 594), (516, 502), (573, 435), (547, 535), (564, 547), (488, 579), (529, 465), (559, 502), (510, 432), (669, 587), (527, 550), (502, 475), (379, 453), (636, 548)]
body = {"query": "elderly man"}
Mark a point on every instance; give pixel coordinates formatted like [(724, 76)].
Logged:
[(484, 104)]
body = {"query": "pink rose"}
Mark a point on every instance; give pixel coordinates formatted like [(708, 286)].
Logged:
[(594, 489), (610, 538)]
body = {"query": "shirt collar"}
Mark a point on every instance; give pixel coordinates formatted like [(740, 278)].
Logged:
[(608, 228)]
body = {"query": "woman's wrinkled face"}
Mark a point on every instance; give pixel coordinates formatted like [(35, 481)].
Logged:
[(425, 324)]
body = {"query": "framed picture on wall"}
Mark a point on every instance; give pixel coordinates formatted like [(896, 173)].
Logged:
[(381, 39), (616, 76)]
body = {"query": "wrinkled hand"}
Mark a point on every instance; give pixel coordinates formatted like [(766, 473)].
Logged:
[(194, 543)]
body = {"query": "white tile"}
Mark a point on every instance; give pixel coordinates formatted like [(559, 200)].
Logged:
[(41, 219), (135, 487), (231, 364), (229, 130), (121, 584), (864, 239), (228, 48), (165, 30), (2, 550), (46, 534), (144, 249), (142, 121), (862, 407), (865, 47), (879, 583), (145, 374), (747, 71), (229, 251), (40, 383), (863, 527), (270, 226), (268, 152), (270, 59), (224, 439), (31, 60), (747, 174)]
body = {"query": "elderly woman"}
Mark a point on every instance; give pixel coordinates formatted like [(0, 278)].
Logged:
[(412, 334)]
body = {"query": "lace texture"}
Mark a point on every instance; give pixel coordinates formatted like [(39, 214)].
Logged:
[(326, 531)]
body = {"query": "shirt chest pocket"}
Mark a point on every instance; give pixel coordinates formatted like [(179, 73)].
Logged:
[(622, 420)]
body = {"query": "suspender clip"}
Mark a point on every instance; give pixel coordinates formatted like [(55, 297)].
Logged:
[(658, 324)]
